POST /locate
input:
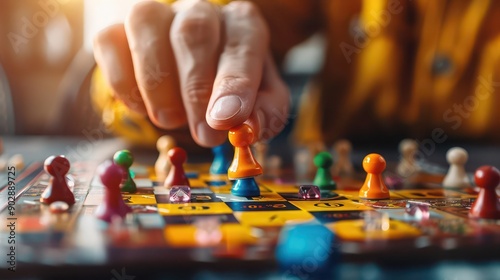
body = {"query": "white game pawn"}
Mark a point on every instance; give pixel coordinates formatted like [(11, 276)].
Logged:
[(407, 165), (342, 165), (456, 176), (17, 161), (163, 164)]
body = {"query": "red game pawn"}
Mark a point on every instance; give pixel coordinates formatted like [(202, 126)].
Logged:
[(487, 205), (374, 186), (57, 190), (176, 176), (113, 205)]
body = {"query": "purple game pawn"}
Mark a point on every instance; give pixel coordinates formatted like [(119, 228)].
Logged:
[(113, 205), (57, 189), (309, 192)]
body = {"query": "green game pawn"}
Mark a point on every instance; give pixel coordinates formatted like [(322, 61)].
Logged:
[(323, 179), (125, 159)]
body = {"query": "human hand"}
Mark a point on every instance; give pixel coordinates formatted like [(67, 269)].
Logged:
[(196, 63)]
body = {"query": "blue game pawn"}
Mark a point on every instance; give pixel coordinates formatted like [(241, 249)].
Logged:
[(222, 159), (245, 187)]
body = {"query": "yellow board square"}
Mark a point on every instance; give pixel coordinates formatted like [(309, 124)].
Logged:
[(185, 235), (194, 208), (268, 197), (353, 230), (354, 194), (437, 193), (197, 167), (285, 188), (223, 189), (139, 199), (213, 177), (272, 218), (337, 205), (197, 183)]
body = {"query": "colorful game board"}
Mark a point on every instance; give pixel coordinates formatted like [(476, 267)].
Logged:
[(216, 227)]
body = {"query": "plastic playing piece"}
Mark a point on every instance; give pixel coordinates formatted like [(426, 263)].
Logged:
[(376, 221), (245, 187), (309, 192), (417, 209), (323, 179), (58, 207), (180, 194), (302, 244), (244, 164), (176, 176), (456, 176), (407, 165), (125, 159), (222, 159), (343, 165), (163, 164), (113, 206), (17, 161), (57, 189), (374, 186), (487, 205)]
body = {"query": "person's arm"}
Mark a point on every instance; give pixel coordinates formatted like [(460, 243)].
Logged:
[(213, 70)]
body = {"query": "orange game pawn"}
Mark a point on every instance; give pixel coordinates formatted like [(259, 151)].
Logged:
[(374, 186), (244, 164), (244, 168)]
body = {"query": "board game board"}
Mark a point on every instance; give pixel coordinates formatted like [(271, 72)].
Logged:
[(217, 227)]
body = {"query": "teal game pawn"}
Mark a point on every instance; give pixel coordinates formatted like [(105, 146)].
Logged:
[(323, 179), (125, 159), (222, 158)]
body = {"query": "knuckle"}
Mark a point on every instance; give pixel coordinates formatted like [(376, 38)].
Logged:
[(243, 9), (236, 48), (194, 29), (145, 12), (235, 84), (198, 91)]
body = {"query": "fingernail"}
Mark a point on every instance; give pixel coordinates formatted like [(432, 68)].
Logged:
[(226, 107)]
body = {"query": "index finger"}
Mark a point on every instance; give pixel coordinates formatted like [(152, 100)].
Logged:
[(240, 67)]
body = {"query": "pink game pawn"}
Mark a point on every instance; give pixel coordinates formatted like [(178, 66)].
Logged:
[(57, 190), (176, 176), (113, 205), (487, 205)]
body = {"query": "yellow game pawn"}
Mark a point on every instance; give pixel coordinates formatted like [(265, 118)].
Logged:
[(374, 186)]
